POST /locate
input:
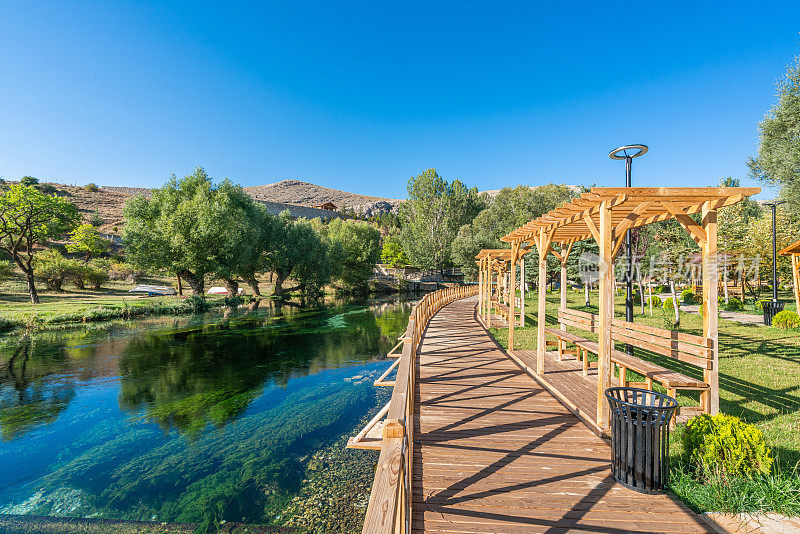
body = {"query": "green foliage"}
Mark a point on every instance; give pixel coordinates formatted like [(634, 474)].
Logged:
[(53, 269), (95, 275), (197, 303), (432, 216), (688, 296), (124, 271), (392, 252), (29, 218), (86, 241), (6, 269), (786, 319), (724, 445), (92, 188), (360, 244), (28, 181), (509, 209), (96, 220), (654, 300), (759, 305), (669, 303), (734, 304)]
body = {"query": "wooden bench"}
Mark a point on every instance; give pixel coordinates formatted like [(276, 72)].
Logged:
[(688, 348)]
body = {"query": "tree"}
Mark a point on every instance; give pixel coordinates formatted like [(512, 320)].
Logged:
[(361, 249), (86, 241), (510, 209), (28, 218), (28, 181), (392, 252), (778, 159), (188, 227), (432, 216)]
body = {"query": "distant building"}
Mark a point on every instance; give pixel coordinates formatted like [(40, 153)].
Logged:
[(329, 206), (324, 214)]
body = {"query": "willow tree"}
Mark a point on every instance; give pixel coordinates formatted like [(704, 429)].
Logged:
[(28, 219), (432, 215), (778, 159)]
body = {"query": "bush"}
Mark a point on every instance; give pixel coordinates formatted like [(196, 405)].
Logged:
[(95, 275), (52, 268), (725, 445), (92, 188), (759, 305), (6, 269), (47, 189), (95, 220), (197, 304), (124, 271), (786, 320), (660, 289), (669, 303), (655, 300), (688, 296), (734, 304), (28, 181)]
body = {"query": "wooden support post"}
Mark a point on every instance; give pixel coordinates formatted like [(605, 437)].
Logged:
[(795, 279), (512, 289), (606, 313), (542, 244), (489, 300), (710, 399), (522, 292), (563, 302), (480, 288)]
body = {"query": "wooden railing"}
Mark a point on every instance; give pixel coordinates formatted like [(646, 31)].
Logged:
[(389, 509)]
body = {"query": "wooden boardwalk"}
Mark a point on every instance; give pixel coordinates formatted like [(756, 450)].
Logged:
[(495, 452)]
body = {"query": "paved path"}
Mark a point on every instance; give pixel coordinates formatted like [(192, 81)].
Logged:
[(497, 453)]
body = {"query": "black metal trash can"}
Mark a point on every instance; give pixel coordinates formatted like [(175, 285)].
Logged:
[(771, 309), (640, 437)]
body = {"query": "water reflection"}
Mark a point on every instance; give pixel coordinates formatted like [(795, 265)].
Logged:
[(196, 418)]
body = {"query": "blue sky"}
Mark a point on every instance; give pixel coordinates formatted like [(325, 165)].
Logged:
[(361, 96)]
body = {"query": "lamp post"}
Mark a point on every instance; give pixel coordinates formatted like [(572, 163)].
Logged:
[(774, 205), (628, 152)]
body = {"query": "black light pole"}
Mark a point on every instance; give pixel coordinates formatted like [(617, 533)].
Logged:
[(774, 205), (628, 152)]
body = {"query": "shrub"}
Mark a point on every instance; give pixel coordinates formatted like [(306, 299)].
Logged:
[(28, 180), (92, 188), (734, 304), (124, 271), (95, 275), (52, 268), (6, 269), (655, 300), (95, 220), (786, 319), (725, 445), (47, 189), (688, 296), (660, 289), (669, 303), (759, 305), (197, 304)]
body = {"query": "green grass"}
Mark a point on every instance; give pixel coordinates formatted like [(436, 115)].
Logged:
[(86, 305), (759, 382)]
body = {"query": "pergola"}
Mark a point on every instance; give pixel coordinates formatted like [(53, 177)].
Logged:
[(793, 251), (495, 282), (605, 214)]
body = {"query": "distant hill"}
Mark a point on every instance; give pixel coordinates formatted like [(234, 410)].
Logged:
[(307, 194)]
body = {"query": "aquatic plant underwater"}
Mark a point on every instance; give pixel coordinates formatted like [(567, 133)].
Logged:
[(199, 419)]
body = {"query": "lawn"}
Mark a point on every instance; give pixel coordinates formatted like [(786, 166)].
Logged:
[(759, 369)]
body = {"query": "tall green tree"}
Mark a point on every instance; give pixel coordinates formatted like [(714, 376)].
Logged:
[(778, 158), (432, 215), (191, 228), (86, 241), (28, 218), (509, 209), (360, 242)]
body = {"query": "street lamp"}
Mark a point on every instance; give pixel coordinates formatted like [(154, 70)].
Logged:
[(628, 152), (774, 205)]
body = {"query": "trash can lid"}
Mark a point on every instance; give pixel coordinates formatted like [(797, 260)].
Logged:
[(630, 396)]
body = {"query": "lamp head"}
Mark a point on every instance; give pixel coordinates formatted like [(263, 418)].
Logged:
[(628, 151)]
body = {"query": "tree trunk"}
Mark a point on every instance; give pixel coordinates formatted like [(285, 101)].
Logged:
[(280, 278), (32, 287), (253, 283), (196, 283), (232, 286)]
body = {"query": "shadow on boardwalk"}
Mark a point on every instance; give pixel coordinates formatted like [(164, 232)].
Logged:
[(497, 453)]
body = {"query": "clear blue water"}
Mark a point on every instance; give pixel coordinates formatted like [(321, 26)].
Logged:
[(192, 419)]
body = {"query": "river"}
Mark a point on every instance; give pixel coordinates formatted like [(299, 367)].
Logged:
[(215, 418)]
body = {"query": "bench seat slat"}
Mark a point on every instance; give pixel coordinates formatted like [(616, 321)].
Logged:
[(703, 363)]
